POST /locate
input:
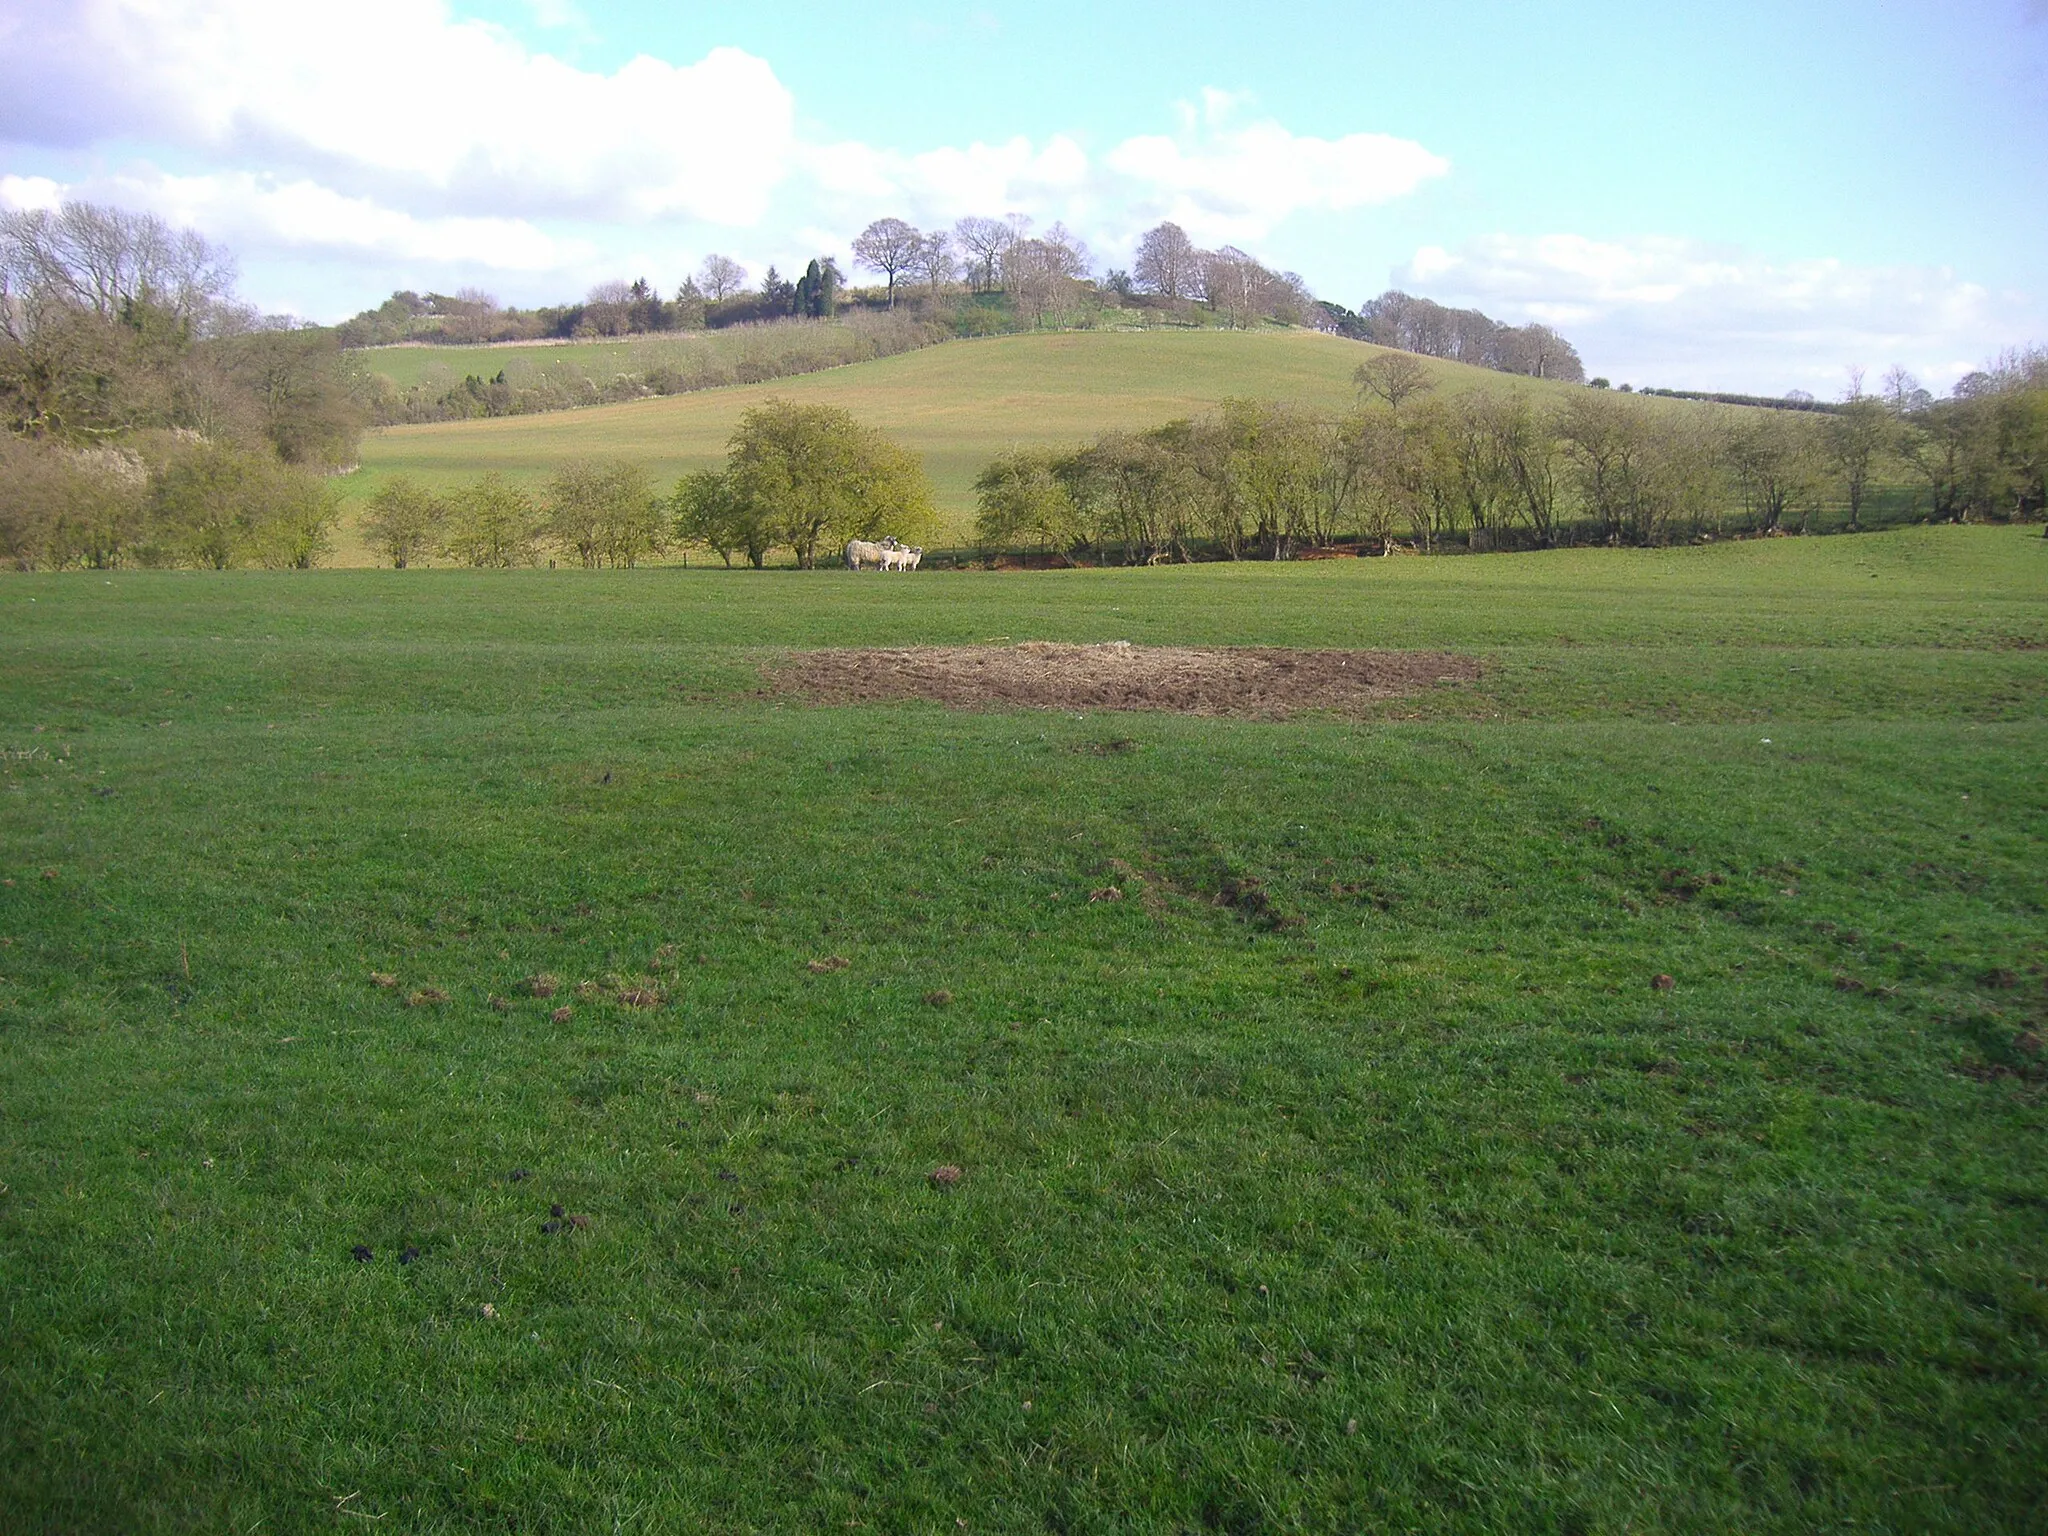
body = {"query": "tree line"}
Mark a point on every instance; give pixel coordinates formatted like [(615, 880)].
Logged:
[(150, 415), (805, 478), (1041, 278), (1503, 469), (1422, 326), (673, 364)]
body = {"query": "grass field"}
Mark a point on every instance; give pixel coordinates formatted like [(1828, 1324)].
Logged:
[(414, 363), (1403, 1200), (959, 405)]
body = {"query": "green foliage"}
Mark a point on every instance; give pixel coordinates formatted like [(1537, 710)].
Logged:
[(1024, 504), (215, 506), (707, 511), (815, 476), (62, 506), (492, 523), (604, 513), (403, 521)]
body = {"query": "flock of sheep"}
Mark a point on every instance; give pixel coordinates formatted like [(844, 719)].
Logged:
[(888, 555)]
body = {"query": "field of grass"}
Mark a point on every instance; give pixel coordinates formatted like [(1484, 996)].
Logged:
[(414, 363), (1401, 1198), (959, 405)]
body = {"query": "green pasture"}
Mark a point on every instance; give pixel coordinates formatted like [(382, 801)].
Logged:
[(1353, 1172), (411, 363), (959, 404)]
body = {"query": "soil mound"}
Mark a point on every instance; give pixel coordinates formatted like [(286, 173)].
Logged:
[(1258, 682)]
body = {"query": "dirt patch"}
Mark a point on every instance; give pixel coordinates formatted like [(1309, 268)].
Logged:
[(1259, 682)]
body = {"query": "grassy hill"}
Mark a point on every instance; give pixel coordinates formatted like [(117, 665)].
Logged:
[(958, 404)]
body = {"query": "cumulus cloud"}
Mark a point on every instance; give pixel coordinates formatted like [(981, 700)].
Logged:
[(1221, 178), (400, 133), (1669, 311), (21, 193), (1224, 179), (244, 209), (407, 102)]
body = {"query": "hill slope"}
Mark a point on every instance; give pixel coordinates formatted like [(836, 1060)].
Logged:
[(957, 404)]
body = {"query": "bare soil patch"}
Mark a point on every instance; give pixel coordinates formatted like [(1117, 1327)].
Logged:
[(1255, 682)]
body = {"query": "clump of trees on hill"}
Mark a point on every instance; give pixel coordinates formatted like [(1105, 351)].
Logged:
[(805, 478), (1502, 469), (151, 417), (1422, 326), (1010, 277)]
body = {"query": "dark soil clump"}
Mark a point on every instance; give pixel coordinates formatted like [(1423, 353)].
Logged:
[(1255, 682)]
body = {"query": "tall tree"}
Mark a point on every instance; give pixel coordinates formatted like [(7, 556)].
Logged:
[(1168, 263), (721, 277), (817, 477), (890, 247), (1854, 438), (983, 242), (817, 291), (935, 260)]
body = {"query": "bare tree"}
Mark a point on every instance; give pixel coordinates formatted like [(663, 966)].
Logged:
[(1393, 377), (1855, 438), (890, 247), (1041, 276), (1239, 288), (935, 261), (721, 277), (106, 260), (1168, 263), (982, 242)]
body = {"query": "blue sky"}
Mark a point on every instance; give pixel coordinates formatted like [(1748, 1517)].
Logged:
[(1735, 195)]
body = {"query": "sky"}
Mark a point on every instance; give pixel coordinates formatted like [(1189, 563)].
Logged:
[(1754, 195)]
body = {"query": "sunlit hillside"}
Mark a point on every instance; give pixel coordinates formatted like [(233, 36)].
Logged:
[(957, 404)]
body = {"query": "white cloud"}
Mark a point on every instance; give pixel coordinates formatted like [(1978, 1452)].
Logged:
[(1225, 180), (1222, 180), (245, 210), (423, 142), (1667, 311), (406, 102), (25, 192)]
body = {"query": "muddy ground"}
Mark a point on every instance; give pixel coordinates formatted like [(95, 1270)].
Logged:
[(1256, 682)]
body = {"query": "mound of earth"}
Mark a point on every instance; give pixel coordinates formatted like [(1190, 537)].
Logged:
[(1260, 682)]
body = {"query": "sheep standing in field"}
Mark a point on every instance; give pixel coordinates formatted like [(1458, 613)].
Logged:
[(901, 559), (861, 552)]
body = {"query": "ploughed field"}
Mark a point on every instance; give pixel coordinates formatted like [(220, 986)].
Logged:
[(1589, 1080)]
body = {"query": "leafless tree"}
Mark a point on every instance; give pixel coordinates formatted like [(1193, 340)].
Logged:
[(106, 260), (1042, 275), (890, 247), (1393, 377), (1238, 287), (935, 261), (982, 242), (1168, 263), (721, 277)]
